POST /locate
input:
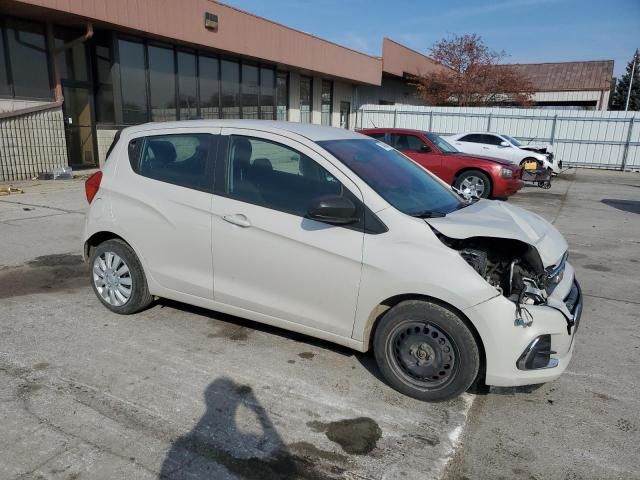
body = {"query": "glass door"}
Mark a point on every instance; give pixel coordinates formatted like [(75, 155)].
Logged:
[(79, 131)]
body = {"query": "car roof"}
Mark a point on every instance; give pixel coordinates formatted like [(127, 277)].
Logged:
[(391, 129), (313, 132), (478, 133)]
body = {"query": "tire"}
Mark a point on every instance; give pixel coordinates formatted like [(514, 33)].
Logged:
[(426, 351), (122, 292), (474, 177)]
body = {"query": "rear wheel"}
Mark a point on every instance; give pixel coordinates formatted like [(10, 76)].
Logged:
[(426, 351), (474, 183), (118, 279)]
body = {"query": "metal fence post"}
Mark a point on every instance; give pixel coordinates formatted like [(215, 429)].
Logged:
[(395, 117), (489, 123), (626, 144), (553, 128), (431, 120)]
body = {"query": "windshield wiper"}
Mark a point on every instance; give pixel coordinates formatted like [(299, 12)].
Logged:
[(428, 214)]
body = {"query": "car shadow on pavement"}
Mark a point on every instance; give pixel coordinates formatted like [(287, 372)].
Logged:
[(234, 438), (250, 324), (631, 206)]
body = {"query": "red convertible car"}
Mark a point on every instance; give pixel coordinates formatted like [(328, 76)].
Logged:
[(484, 177)]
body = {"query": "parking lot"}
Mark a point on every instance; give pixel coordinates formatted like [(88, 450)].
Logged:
[(180, 392)]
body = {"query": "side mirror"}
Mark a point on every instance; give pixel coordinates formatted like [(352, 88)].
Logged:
[(425, 148), (504, 144), (333, 209)]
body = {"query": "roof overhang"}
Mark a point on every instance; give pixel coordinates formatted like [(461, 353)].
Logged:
[(238, 32), (402, 61)]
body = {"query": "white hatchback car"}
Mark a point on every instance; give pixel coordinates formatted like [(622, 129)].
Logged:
[(504, 147), (335, 235)]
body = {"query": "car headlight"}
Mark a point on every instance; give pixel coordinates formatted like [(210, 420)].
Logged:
[(506, 173)]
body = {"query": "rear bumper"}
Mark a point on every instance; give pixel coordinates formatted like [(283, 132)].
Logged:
[(507, 343)]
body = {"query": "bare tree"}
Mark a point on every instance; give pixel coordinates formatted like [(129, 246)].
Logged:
[(473, 76)]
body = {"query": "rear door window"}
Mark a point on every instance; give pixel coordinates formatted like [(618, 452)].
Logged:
[(403, 141), (180, 159), (377, 136), (472, 138)]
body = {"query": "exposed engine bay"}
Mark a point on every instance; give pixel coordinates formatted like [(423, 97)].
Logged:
[(535, 148), (513, 267)]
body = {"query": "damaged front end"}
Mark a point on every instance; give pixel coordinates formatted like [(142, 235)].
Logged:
[(513, 267)]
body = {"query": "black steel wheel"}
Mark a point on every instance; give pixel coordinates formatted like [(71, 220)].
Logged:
[(426, 351), (423, 354)]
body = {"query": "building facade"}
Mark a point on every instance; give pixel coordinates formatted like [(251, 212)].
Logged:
[(570, 85), (101, 66), (72, 73)]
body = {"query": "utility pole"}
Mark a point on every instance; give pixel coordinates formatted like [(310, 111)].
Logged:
[(633, 69)]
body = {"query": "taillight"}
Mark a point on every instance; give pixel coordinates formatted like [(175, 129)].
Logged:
[(92, 185)]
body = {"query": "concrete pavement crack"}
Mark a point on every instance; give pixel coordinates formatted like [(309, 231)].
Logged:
[(41, 206), (612, 299)]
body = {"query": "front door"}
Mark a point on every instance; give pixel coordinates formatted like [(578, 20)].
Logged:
[(417, 150), (345, 110), (269, 258), (79, 131)]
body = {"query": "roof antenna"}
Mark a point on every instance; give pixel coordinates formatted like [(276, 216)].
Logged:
[(374, 125)]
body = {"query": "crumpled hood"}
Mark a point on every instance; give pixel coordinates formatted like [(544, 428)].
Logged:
[(492, 218)]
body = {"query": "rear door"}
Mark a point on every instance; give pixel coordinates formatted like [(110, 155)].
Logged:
[(268, 257), (470, 143), (414, 147), (162, 201)]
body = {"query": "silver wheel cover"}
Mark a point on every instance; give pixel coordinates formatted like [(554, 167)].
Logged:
[(112, 279)]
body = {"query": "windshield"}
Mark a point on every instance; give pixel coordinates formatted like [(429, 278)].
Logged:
[(401, 182), (513, 141), (442, 144)]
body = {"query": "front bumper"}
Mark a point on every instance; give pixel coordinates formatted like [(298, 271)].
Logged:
[(505, 341), (505, 187)]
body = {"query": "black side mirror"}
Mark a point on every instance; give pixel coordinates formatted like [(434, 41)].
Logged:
[(333, 209), (425, 148)]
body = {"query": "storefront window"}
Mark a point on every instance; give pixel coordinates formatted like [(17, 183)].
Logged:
[(250, 91), (133, 82), (5, 87), (209, 87), (71, 61), (282, 95), (187, 86), (103, 82), (267, 94), (306, 90), (162, 84), (326, 102), (230, 91), (28, 58)]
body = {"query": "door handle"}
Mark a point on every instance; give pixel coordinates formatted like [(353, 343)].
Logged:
[(237, 219), (485, 148)]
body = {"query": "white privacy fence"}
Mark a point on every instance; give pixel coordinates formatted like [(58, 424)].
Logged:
[(581, 138)]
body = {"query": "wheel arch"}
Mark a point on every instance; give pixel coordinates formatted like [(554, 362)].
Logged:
[(379, 311), (476, 169), (99, 237)]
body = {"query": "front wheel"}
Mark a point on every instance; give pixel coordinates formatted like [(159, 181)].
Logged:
[(426, 351), (474, 183), (118, 279)]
